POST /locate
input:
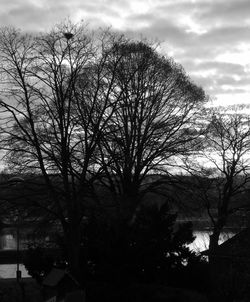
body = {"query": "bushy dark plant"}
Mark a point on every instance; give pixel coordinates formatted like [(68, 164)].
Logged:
[(152, 248), (38, 263)]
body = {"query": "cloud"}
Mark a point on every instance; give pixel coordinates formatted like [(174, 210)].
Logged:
[(225, 36), (30, 17), (209, 38), (220, 12)]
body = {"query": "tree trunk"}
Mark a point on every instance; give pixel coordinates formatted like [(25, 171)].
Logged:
[(129, 200), (129, 204), (213, 263), (73, 241), (214, 241)]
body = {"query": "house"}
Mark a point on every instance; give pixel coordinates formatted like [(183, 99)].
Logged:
[(230, 269), (60, 286)]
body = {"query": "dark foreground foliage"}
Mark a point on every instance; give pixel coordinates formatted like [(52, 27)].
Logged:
[(142, 293), (151, 249)]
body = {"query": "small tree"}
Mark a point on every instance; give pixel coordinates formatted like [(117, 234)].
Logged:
[(222, 177)]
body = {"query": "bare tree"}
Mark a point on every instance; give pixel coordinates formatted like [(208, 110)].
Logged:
[(155, 122), (221, 177), (57, 95)]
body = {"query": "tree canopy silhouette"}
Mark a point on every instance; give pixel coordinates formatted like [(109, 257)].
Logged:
[(75, 106), (156, 122)]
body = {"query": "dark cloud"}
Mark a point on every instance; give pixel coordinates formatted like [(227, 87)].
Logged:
[(225, 36), (166, 31), (224, 12), (228, 80), (219, 67), (226, 67), (33, 18)]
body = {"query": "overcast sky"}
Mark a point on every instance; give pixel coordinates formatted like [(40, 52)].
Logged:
[(210, 38)]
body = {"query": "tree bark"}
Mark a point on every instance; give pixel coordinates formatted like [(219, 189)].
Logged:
[(213, 263), (73, 242)]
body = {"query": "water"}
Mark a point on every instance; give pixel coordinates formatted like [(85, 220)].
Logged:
[(8, 242), (201, 241), (9, 271)]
